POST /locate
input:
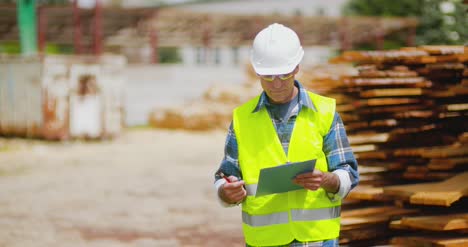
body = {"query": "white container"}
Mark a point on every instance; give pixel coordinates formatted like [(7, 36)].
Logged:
[(61, 97)]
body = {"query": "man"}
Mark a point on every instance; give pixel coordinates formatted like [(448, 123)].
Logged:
[(284, 124)]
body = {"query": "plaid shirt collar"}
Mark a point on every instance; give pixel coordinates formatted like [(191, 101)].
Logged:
[(304, 99)]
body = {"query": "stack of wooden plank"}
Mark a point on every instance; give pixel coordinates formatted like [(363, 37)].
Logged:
[(405, 113)]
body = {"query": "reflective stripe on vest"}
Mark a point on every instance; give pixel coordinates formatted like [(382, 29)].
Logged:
[(296, 215), (303, 215), (251, 189)]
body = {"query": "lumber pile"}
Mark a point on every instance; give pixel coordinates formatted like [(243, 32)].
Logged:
[(212, 111), (405, 113)]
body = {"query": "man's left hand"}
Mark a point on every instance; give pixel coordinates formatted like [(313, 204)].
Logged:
[(316, 179)]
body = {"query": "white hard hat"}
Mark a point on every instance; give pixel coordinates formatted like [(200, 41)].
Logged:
[(276, 50)]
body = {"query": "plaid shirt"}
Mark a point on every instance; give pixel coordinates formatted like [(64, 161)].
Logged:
[(335, 146)]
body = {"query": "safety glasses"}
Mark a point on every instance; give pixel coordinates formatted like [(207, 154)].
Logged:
[(270, 78)]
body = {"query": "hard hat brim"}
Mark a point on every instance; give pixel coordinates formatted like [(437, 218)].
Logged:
[(279, 70)]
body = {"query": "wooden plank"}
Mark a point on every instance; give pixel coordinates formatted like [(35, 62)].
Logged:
[(378, 210), (369, 193), (380, 56), (444, 152), (446, 66), (357, 218), (428, 176), (390, 109), (436, 198), (373, 73), (368, 138), (456, 107), (373, 180), (420, 60), (433, 152), (463, 138), (439, 193), (345, 108), (416, 81), (391, 92), (437, 223), (459, 90), (442, 49), (353, 126), (356, 222), (371, 233), (415, 130), (430, 241), (396, 224), (380, 154), (386, 101), (443, 164), (363, 148), (384, 123), (414, 114), (363, 169)]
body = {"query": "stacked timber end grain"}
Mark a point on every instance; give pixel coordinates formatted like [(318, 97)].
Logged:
[(213, 110), (406, 116)]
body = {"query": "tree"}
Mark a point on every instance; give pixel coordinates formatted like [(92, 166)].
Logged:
[(440, 21)]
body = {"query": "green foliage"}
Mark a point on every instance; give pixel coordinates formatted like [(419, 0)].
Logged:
[(10, 48), (14, 48), (440, 21), (58, 49), (169, 55), (384, 7)]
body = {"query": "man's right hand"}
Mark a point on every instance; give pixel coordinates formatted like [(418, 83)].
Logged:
[(233, 192)]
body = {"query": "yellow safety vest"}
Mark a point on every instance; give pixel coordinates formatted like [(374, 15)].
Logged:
[(303, 215)]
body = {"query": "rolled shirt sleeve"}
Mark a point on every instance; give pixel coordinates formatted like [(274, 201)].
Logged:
[(340, 157)]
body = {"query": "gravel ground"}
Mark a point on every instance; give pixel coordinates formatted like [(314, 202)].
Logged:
[(146, 188)]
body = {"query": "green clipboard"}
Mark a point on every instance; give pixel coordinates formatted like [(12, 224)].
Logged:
[(278, 179)]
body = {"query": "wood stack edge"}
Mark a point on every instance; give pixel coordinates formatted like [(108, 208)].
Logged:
[(405, 113)]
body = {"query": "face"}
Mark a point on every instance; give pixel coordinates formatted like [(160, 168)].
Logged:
[(281, 89)]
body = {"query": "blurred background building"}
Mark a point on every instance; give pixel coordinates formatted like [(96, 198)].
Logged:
[(197, 36)]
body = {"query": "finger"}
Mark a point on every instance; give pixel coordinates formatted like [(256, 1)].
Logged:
[(234, 185), (307, 184), (311, 178), (239, 194), (234, 191), (300, 182), (312, 186), (233, 178), (305, 175), (236, 196)]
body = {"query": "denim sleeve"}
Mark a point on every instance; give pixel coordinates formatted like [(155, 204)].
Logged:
[(338, 151), (230, 163)]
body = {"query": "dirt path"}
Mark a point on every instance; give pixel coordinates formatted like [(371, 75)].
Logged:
[(146, 188)]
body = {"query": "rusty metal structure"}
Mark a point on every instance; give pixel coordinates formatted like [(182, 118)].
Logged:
[(83, 28), (162, 27), (176, 28)]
